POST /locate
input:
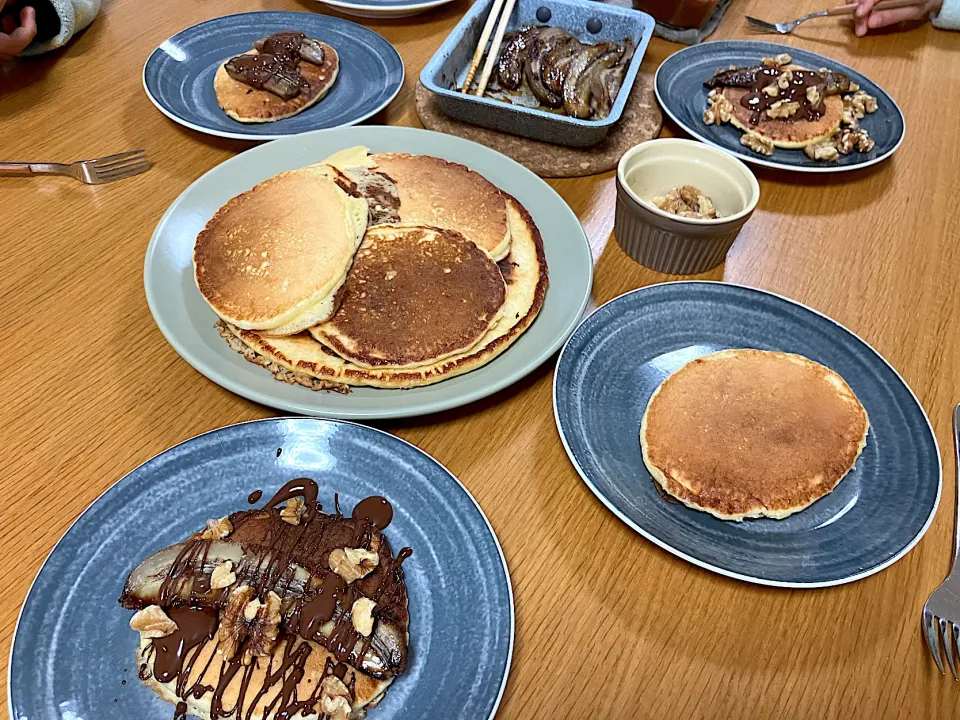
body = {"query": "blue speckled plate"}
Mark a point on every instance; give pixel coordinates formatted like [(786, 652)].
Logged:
[(680, 91), (178, 75), (616, 359), (73, 652)]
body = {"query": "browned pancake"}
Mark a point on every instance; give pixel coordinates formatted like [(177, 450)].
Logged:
[(247, 104), (792, 134), (442, 194), (750, 433), (415, 295)]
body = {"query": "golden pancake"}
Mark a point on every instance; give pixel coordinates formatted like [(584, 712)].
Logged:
[(442, 194), (751, 433), (248, 105), (300, 359), (275, 256), (208, 666), (415, 295), (790, 134)]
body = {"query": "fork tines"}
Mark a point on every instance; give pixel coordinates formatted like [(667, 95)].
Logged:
[(942, 637), (119, 165)]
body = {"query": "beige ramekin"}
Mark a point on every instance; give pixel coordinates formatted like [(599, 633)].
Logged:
[(670, 243)]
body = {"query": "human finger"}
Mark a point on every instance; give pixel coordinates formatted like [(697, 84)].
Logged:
[(884, 18), (864, 8)]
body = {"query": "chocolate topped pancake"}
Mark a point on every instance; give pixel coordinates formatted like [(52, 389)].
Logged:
[(284, 611), (300, 359), (751, 433), (415, 295), (249, 104), (787, 133), (442, 194)]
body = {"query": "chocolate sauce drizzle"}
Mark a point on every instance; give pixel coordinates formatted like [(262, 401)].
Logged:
[(324, 607), (758, 102)]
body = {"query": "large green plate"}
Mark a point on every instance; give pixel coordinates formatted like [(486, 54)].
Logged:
[(188, 323)]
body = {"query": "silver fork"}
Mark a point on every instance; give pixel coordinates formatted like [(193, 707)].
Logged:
[(941, 612), (92, 172), (785, 28)]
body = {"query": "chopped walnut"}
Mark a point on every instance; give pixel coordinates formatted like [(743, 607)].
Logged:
[(813, 95), (152, 622), (851, 140), (217, 529), (854, 87), (850, 118), (353, 563), (825, 150), (712, 94), (783, 109), (772, 90), (857, 105), (334, 698), (786, 77), (719, 109), (361, 614), (758, 143), (783, 59), (222, 576), (293, 511), (686, 201), (246, 619)]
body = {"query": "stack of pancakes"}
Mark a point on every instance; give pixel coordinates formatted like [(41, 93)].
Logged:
[(387, 270)]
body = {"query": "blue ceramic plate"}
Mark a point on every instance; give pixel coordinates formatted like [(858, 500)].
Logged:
[(178, 75), (616, 359), (384, 8), (73, 652), (680, 91)]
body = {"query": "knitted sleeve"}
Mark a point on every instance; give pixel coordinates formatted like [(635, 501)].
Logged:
[(949, 16), (74, 15)]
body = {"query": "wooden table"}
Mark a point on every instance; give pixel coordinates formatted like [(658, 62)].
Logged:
[(608, 625)]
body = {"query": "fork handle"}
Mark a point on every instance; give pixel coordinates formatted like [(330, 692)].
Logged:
[(20, 169), (956, 452), (851, 8)]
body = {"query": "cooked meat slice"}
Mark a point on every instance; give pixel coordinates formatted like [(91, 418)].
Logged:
[(576, 86)]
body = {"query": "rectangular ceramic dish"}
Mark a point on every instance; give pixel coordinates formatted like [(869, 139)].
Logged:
[(448, 68)]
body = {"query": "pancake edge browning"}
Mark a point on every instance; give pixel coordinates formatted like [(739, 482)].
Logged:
[(732, 511)]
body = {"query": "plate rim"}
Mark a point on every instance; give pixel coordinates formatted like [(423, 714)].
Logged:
[(824, 170), (386, 11), (276, 136), (714, 568), (271, 420), (383, 413)]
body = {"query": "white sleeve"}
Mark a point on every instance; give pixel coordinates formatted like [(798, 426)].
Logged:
[(75, 15), (949, 16)]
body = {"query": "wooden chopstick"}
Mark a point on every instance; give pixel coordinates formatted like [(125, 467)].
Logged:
[(495, 48), (851, 8), (482, 45)]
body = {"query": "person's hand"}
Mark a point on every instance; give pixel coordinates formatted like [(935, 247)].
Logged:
[(867, 19), (14, 38)]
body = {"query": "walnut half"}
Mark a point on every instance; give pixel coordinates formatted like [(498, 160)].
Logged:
[(334, 698), (783, 109), (353, 563), (152, 622), (293, 511), (758, 143), (246, 619), (217, 529), (825, 150), (720, 110), (361, 614)]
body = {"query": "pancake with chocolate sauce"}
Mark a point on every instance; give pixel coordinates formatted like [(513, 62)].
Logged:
[(248, 104), (415, 295), (275, 257), (442, 194), (751, 433), (277, 611), (790, 133), (300, 359)]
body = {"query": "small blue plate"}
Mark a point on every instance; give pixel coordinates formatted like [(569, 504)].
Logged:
[(73, 652), (178, 75), (619, 355), (680, 91)]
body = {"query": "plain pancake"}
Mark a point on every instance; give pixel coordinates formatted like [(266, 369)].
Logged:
[(208, 666), (248, 105), (414, 296), (442, 194), (302, 360), (751, 433), (789, 134), (276, 255)]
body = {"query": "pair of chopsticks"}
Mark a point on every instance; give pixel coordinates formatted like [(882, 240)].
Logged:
[(501, 9)]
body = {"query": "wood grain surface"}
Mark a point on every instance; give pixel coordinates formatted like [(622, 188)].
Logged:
[(608, 625)]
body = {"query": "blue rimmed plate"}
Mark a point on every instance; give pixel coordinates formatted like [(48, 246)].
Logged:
[(178, 75), (384, 9), (681, 93), (618, 356), (73, 652)]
